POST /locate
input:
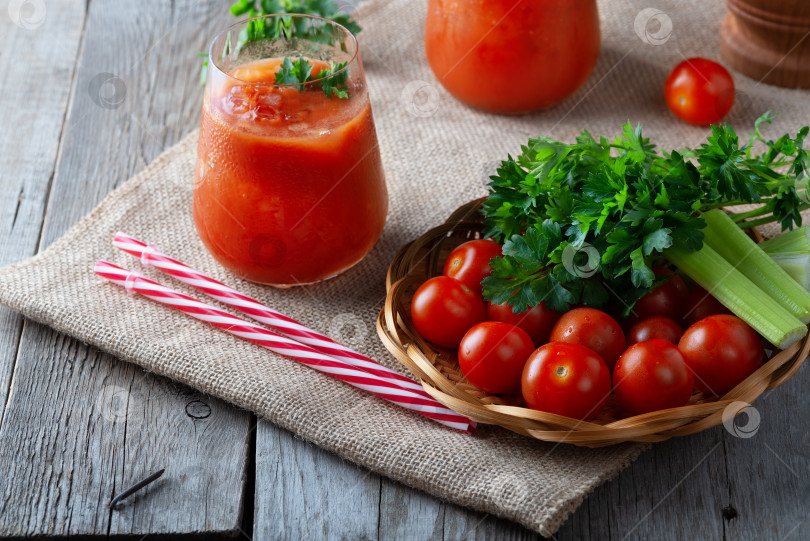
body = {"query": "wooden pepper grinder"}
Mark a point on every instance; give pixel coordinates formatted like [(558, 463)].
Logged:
[(769, 40)]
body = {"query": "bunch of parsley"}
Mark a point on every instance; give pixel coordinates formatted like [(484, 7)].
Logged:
[(585, 222)]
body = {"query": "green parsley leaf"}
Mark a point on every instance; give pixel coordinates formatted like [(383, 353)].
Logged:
[(621, 203), (335, 80), (299, 74), (294, 73), (260, 29)]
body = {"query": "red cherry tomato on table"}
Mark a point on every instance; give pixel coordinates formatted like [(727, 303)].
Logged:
[(566, 379), (700, 304), (492, 354), (722, 351), (699, 91), (593, 329), (655, 327), (665, 300), (443, 310), (469, 262), (537, 321), (652, 375)]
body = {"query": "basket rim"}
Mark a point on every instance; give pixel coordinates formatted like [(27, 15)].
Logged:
[(421, 358)]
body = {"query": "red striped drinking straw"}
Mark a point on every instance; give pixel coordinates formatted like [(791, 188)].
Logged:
[(287, 347), (150, 256)]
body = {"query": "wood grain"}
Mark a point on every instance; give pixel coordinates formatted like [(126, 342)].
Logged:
[(767, 40), (681, 481), (105, 426), (33, 99), (303, 492), (68, 458), (63, 459), (769, 486), (405, 512), (678, 482), (460, 523)]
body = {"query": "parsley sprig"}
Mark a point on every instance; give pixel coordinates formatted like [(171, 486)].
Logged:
[(260, 29), (327, 9), (585, 221), (299, 73)]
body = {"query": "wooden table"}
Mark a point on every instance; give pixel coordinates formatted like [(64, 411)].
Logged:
[(90, 95)]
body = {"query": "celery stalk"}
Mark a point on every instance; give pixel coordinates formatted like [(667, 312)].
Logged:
[(733, 245), (797, 240), (791, 251), (796, 264), (738, 294)]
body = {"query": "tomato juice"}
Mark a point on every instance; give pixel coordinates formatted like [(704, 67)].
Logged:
[(289, 185), (512, 56)]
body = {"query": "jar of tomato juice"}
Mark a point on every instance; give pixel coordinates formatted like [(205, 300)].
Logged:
[(289, 185), (512, 56)]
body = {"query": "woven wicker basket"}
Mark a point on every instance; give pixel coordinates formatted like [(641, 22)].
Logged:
[(441, 377)]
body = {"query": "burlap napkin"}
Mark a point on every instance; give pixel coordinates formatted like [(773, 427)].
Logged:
[(437, 154)]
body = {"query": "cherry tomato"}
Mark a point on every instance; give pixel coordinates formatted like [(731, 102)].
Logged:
[(537, 321), (721, 350), (652, 375), (593, 329), (492, 354), (443, 310), (665, 300), (469, 262), (699, 91), (566, 379), (700, 304), (658, 327)]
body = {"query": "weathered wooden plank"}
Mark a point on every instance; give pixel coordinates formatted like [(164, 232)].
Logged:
[(57, 454), (406, 513), (33, 99), (677, 486), (108, 425), (768, 466), (135, 93), (461, 524), (409, 514), (304, 492)]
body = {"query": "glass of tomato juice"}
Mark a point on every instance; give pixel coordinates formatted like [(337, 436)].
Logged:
[(289, 185)]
